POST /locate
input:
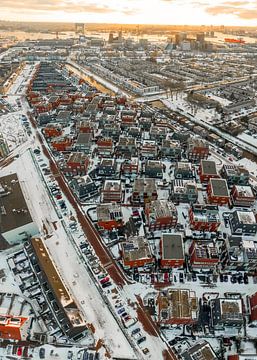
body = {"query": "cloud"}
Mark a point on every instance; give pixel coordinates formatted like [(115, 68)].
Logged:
[(234, 8), (66, 6)]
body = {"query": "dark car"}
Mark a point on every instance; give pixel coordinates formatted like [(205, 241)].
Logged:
[(140, 340), (181, 277), (246, 280), (233, 279), (107, 284), (194, 277), (221, 278), (226, 278), (135, 331), (42, 353)]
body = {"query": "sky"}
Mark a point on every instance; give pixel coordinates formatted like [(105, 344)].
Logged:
[(192, 12)]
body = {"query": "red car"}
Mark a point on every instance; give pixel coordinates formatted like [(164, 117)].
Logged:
[(19, 351), (58, 196), (104, 280)]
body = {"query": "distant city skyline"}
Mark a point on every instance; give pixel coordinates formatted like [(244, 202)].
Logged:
[(177, 12)]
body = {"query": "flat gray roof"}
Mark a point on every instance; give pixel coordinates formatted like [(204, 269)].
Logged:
[(172, 246)]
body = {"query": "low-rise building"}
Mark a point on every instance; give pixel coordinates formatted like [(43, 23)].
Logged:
[(130, 167), (218, 193), (108, 168), (172, 250), (208, 170), (203, 255), (235, 175), (109, 216), (204, 217), (105, 147), (144, 191), (84, 187), (77, 164), (153, 169), (52, 130), (238, 254), (197, 149), (177, 306), (16, 223), (253, 308), (184, 191), (226, 313), (84, 142), (183, 170), (126, 147), (112, 191), (149, 150), (242, 196), (161, 215), (171, 149), (62, 143), (243, 223), (202, 350), (14, 327), (136, 252)]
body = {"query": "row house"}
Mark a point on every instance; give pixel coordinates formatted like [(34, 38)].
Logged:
[(135, 132), (108, 168), (226, 314), (127, 122), (136, 252), (242, 196), (235, 175), (144, 191), (183, 170), (145, 123), (172, 251), (105, 147), (218, 193), (107, 121), (52, 130), (77, 164), (177, 306), (202, 350), (63, 117), (109, 216), (111, 131), (84, 142), (171, 149), (84, 187), (62, 143), (126, 147), (208, 170), (42, 107), (112, 191), (161, 215), (238, 254), (130, 167), (204, 217), (85, 126), (153, 169), (243, 223), (79, 106), (54, 100), (197, 149), (149, 150), (184, 191), (158, 134), (203, 255)]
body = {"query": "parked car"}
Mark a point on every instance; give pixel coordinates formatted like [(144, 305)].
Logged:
[(42, 353), (140, 340)]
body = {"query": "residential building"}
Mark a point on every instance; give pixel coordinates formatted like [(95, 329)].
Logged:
[(235, 175), (112, 191), (158, 133), (108, 168), (52, 131), (203, 255), (63, 307), (197, 149), (105, 147), (16, 223), (204, 217), (109, 216), (238, 254), (14, 327), (144, 191), (130, 167), (136, 252), (84, 142), (202, 350), (4, 148), (77, 164), (183, 170), (161, 215), (243, 223), (149, 150), (171, 149), (172, 250), (62, 143), (242, 196), (153, 169), (184, 191), (208, 170), (218, 193), (126, 147), (177, 306), (226, 313), (84, 187)]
